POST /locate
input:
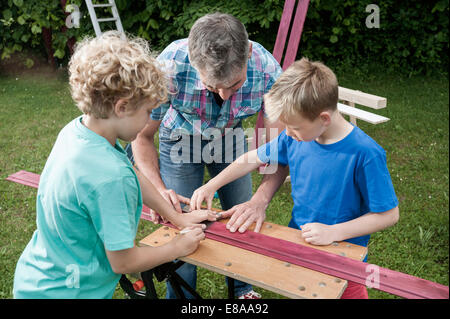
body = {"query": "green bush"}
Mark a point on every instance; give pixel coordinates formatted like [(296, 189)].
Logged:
[(412, 37)]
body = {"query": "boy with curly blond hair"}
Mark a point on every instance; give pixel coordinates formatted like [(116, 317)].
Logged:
[(90, 197)]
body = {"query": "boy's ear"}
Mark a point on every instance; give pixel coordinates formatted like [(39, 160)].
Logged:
[(325, 118), (120, 108)]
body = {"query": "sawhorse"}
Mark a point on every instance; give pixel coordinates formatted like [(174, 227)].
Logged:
[(165, 272)]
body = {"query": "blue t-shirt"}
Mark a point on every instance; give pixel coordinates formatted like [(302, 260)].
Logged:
[(334, 183), (89, 200)]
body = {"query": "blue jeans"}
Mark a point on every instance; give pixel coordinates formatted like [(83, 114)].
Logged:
[(184, 173)]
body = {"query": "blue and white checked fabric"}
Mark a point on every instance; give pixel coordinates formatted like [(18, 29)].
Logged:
[(191, 103)]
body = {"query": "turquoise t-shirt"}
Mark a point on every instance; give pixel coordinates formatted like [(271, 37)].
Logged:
[(89, 200)]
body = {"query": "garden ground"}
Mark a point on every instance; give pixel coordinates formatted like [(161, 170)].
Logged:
[(34, 106)]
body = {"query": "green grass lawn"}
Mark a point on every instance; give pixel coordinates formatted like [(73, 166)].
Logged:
[(34, 107)]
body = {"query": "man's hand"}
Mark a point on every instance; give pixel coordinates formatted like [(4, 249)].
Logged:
[(172, 198), (244, 215)]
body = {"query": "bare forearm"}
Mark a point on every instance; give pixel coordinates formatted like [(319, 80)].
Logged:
[(153, 199), (138, 259), (146, 158), (270, 184), (240, 167), (366, 224)]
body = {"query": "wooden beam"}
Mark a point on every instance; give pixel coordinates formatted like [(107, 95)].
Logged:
[(361, 114), (358, 97)]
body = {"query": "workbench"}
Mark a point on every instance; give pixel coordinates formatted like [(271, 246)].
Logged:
[(271, 274)]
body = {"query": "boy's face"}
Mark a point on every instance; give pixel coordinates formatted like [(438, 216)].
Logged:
[(301, 128), (135, 120)]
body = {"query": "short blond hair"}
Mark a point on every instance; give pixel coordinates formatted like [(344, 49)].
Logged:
[(306, 88), (112, 67)]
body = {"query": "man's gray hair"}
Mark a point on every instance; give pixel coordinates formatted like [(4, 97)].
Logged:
[(218, 46)]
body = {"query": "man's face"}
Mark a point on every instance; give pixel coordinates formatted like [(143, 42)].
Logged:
[(225, 90)]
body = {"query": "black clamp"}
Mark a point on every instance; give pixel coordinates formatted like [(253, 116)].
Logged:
[(163, 272)]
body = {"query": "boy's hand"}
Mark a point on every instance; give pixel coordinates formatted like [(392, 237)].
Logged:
[(186, 243), (202, 194), (244, 215), (318, 234)]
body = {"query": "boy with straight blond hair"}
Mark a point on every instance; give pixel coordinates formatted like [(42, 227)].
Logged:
[(341, 187), (90, 197)]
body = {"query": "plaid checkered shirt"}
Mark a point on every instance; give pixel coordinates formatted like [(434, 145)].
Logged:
[(190, 102)]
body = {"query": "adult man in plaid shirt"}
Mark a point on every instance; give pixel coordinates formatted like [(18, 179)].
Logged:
[(218, 78)]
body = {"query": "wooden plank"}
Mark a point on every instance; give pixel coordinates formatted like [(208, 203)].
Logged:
[(283, 30), (296, 33), (352, 118), (387, 280), (361, 114), (25, 178), (285, 279), (358, 97)]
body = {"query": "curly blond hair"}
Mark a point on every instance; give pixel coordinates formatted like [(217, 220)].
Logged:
[(112, 67)]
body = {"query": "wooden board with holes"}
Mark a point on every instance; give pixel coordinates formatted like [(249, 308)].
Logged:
[(278, 276)]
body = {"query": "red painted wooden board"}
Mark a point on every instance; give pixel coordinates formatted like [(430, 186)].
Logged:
[(296, 33), (387, 280), (25, 178), (283, 29)]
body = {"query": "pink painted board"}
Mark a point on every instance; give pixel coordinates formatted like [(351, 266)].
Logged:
[(25, 178), (296, 33), (390, 281), (283, 29)]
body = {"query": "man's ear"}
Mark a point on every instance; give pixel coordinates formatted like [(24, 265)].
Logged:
[(120, 108)]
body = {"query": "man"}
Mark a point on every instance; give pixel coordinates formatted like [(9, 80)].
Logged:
[(218, 78)]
